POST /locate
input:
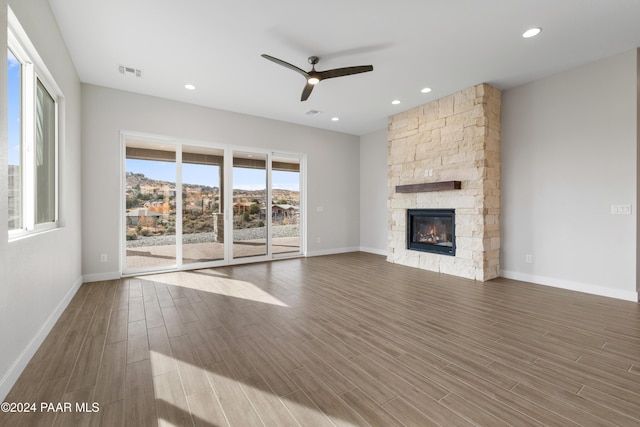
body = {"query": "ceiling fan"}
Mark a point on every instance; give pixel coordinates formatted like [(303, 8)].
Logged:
[(314, 77)]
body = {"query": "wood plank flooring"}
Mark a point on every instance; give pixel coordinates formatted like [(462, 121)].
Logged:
[(343, 340)]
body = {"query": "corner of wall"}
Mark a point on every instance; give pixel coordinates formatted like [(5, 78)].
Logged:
[(373, 192)]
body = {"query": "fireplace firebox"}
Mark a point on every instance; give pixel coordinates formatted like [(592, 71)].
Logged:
[(431, 230)]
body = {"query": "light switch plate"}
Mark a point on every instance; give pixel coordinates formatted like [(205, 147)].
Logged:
[(620, 209)]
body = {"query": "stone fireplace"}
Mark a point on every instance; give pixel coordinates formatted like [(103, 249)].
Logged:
[(445, 155)]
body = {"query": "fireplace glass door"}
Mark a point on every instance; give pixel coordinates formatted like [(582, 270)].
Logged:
[(431, 230)]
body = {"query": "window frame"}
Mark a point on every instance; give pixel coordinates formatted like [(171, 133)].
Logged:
[(33, 72)]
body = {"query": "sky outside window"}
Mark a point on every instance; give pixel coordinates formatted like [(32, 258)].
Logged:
[(13, 108), (196, 174), (243, 178)]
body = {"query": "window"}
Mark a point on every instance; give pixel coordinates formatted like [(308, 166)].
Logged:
[(32, 118), (45, 156)]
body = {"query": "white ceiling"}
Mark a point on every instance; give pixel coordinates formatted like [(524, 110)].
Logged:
[(447, 45)]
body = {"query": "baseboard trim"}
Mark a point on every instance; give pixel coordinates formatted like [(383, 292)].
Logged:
[(12, 375), (99, 277), (571, 286), (332, 251), (382, 252)]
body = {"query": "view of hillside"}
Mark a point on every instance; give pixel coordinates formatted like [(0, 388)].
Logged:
[(151, 207)]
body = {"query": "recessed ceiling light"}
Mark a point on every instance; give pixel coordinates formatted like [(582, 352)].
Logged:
[(531, 32), (426, 90), (395, 102), (190, 87), (335, 119)]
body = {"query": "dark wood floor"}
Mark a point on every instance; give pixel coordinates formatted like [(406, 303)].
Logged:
[(337, 340)]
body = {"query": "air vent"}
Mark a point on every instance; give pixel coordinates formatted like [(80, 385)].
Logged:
[(312, 113), (130, 71)]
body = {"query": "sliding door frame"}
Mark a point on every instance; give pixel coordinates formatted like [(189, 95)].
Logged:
[(226, 196), (302, 185)]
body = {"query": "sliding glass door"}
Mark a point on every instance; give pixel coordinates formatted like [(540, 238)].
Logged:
[(286, 213), (250, 204), (150, 206), (202, 205), (190, 205)]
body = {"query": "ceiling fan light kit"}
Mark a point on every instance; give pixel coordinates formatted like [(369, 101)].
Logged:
[(314, 77), (531, 32)]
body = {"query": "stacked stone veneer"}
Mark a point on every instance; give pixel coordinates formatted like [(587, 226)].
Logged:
[(456, 138)]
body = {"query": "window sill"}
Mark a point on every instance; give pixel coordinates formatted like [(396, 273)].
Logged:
[(22, 235)]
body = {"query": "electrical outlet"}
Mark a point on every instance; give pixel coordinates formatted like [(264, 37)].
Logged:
[(528, 258), (103, 258)]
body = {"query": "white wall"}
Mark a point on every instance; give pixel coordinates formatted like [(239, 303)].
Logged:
[(374, 213), (332, 165), (569, 151), (40, 273), (638, 172)]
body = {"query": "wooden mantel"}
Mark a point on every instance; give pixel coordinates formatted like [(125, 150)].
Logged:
[(429, 186)]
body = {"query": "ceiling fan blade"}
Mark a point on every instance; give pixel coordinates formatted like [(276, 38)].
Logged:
[(347, 71), (285, 64), (306, 91)]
